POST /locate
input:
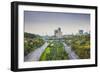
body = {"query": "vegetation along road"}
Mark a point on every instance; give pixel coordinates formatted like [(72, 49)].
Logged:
[(71, 53), (41, 53), (35, 55), (68, 48)]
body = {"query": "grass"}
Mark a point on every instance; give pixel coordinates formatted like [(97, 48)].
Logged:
[(32, 42), (54, 51), (81, 45)]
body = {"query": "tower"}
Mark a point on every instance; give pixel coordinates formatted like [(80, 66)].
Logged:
[(58, 33)]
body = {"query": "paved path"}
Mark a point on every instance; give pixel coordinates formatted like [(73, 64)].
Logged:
[(71, 53), (35, 55)]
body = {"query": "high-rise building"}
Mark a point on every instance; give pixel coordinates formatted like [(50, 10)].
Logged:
[(58, 33), (81, 32)]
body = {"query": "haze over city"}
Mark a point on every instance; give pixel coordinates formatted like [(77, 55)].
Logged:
[(44, 23)]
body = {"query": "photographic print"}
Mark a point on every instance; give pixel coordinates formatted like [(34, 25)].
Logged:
[(52, 36), (56, 36)]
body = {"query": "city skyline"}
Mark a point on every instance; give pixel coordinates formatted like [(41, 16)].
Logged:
[(44, 23)]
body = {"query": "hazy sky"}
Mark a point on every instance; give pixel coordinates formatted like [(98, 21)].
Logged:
[(44, 23)]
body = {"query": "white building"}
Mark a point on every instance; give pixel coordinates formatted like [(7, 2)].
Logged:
[(81, 32), (58, 33)]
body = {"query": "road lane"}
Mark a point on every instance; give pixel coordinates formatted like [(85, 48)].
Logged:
[(35, 55), (71, 53)]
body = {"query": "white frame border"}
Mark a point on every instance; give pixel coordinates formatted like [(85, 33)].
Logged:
[(22, 64)]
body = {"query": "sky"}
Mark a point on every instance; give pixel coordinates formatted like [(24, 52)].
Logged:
[(44, 23)]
